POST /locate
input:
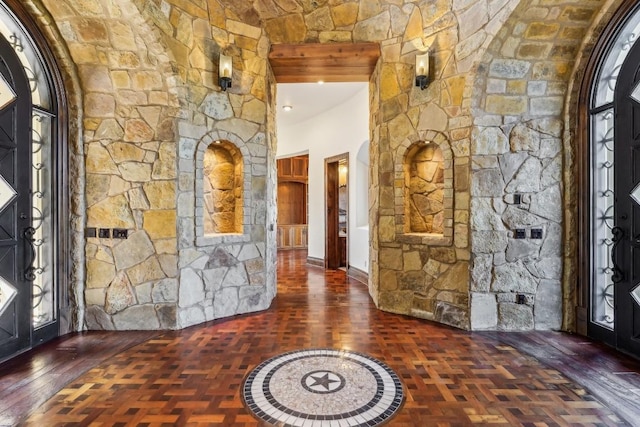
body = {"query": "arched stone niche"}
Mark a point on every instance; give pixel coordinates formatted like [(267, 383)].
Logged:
[(222, 193), (222, 188), (424, 190)]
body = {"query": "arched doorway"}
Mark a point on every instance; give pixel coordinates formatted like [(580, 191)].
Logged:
[(613, 165), (32, 188)]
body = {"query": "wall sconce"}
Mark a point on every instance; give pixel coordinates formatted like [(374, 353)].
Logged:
[(224, 72), (422, 70)]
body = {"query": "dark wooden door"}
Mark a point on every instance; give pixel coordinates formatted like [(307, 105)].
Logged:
[(15, 207), (626, 253), (332, 204)]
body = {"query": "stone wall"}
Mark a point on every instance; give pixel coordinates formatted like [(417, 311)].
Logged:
[(149, 97), (150, 105), (517, 149), (224, 274)]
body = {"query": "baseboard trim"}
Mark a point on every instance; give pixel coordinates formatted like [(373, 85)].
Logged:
[(317, 262), (357, 274)]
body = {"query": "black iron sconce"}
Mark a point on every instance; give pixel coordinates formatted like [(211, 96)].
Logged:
[(224, 71), (422, 70)]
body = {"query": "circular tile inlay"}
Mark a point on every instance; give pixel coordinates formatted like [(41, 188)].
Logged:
[(323, 387)]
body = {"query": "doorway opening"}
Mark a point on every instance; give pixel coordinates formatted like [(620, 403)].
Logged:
[(610, 307), (337, 211), (33, 199), (293, 202)]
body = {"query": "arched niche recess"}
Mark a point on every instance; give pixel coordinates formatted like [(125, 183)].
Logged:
[(424, 190), (222, 188)]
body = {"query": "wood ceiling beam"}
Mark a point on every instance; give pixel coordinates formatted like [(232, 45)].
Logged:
[(329, 62)]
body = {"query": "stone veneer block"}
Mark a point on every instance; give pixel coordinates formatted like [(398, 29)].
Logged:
[(484, 311)]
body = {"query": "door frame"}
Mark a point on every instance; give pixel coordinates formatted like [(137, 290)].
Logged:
[(582, 176), (331, 221), (628, 217), (66, 303)]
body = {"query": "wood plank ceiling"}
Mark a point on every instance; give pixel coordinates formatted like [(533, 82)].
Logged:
[(328, 62)]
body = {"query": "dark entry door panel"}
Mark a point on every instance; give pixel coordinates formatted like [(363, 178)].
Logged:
[(627, 204), (15, 205)]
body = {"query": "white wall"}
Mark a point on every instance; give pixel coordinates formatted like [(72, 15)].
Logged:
[(341, 129)]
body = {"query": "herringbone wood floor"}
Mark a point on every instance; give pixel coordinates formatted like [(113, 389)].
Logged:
[(193, 376)]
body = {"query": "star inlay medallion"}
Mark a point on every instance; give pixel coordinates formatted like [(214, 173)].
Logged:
[(323, 381)]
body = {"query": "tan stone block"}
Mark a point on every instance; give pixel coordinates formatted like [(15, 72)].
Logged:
[(122, 37), (571, 33), (368, 8), (372, 29), (137, 130), (455, 278), (120, 79), (99, 273), (319, 20), (246, 43), (345, 14), (165, 166), (461, 235), (243, 29), (99, 105), (118, 186), (166, 246), (135, 172), (286, 29), (99, 161), (59, 9), (183, 28), (389, 87), (506, 105), (400, 128), (95, 78), (160, 224), (433, 118), (146, 271), (414, 27), (91, 31), (396, 302), (199, 61), (158, 98), (551, 70), (254, 111), (95, 296), (390, 258), (517, 87), (161, 194), (542, 30), (443, 255), (147, 80), (335, 36), (83, 53), (97, 188), (533, 50), (456, 86), (112, 212), (386, 229), (123, 152), (119, 295), (412, 261)]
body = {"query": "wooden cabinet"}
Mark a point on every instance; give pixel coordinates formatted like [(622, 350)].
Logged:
[(292, 202), (293, 168), (292, 236)]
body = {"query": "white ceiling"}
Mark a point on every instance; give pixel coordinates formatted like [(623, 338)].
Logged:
[(310, 99)]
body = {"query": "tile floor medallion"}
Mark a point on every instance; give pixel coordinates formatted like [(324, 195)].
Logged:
[(323, 388)]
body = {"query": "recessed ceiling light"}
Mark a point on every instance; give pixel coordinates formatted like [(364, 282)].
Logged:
[(287, 107), (320, 82)]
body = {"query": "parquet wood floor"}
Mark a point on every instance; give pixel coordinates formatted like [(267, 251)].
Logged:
[(451, 377)]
